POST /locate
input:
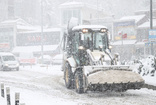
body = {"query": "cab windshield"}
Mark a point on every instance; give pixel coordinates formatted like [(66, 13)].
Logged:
[(95, 40)]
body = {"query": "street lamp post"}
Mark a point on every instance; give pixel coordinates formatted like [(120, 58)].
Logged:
[(151, 15), (42, 31), (151, 23)]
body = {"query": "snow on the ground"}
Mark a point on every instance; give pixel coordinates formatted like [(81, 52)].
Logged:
[(56, 70), (3, 101), (29, 97), (48, 69), (150, 80)]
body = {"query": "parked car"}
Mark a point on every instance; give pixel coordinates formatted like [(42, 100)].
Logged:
[(8, 61), (57, 59), (27, 58), (46, 59)]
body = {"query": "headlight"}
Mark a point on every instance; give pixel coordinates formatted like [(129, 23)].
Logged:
[(6, 64), (81, 48), (17, 64), (103, 30), (84, 30), (110, 47)]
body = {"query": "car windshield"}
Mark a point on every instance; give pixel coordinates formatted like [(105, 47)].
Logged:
[(94, 40), (8, 58)]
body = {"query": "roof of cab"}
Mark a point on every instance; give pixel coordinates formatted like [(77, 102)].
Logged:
[(5, 53), (93, 27)]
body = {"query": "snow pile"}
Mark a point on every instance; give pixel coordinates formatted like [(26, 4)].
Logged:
[(147, 69), (147, 66), (114, 76)]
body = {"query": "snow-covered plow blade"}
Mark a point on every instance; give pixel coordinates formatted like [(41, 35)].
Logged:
[(114, 78), (118, 87)]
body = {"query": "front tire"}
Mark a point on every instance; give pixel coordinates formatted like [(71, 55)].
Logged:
[(79, 82), (68, 76)]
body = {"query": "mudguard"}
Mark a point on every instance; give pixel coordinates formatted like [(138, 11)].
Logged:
[(72, 63)]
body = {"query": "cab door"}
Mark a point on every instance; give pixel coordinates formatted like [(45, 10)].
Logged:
[(75, 47)]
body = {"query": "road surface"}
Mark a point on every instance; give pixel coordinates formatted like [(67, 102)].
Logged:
[(45, 85)]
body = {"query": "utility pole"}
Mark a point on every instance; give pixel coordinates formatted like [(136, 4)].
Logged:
[(151, 23), (98, 11), (151, 15), (42, 31)]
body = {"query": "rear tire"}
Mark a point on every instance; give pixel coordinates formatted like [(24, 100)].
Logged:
[(68, 76), (79, 82)]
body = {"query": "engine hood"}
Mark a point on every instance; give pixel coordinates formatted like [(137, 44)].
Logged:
[(10, 62)]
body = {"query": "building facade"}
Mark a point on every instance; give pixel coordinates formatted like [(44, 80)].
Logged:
[(6, 38), (17, 33), (135, 31), (6, 9), (83, 11)]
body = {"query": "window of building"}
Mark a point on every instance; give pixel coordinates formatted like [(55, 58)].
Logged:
[(67, 14)]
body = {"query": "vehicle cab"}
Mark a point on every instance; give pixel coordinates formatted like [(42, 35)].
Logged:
[(86, 42)]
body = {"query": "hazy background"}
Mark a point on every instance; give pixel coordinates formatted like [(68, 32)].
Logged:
[(30, 10)]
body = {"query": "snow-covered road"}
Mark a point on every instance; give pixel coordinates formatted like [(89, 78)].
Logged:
[(45, 86)]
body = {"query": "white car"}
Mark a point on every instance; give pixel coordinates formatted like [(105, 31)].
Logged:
[(8, 61), (46, 59)]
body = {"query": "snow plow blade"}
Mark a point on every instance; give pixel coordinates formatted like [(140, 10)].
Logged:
[(118, 87), (114, 79)]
